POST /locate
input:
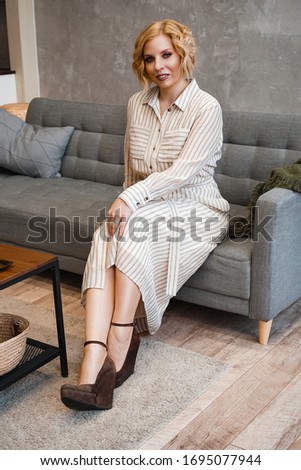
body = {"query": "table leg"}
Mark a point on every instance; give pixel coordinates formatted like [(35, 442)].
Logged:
[(59, 318)]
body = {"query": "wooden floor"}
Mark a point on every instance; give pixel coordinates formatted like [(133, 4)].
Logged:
[(255, 405)]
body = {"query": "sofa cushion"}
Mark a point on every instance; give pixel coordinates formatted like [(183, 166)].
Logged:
[(277, 131), (95, 151), (242, 167), (58, 215), (254, 144), (227, 270), (95, 157), (31, 150)]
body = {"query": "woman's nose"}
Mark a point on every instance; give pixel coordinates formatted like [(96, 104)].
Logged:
[(158, 63)]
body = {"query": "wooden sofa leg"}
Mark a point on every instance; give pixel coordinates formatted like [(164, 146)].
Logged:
[(264, 328)]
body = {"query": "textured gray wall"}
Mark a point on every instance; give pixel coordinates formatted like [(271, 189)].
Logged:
[(249, 50)]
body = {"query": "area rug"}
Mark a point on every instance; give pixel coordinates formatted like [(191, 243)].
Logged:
[(165, 381)]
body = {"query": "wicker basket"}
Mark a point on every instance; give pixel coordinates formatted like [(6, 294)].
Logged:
[(13, 335)]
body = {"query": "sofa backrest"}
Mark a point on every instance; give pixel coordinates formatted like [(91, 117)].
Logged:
[(254, 144), (95, 150)]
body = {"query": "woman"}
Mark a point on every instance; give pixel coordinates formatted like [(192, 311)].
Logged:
[(173, 141)]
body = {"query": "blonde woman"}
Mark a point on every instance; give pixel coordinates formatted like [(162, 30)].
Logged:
[(170, 199)]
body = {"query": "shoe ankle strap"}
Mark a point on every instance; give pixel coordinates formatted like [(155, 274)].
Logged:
[(122, 324), (92, 341)]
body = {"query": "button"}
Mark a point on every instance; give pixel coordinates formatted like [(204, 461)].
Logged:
[(169, 110), (137, 204), (159, 130), (146, 198), (154, 148), (150, 167)]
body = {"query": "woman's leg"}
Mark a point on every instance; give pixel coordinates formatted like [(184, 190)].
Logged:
[(99, 312), (117, 302), (127, 296)]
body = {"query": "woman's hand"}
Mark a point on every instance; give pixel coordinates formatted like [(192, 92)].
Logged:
[(118, 215)]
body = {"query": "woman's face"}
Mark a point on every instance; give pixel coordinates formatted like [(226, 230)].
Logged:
[(162, 62)]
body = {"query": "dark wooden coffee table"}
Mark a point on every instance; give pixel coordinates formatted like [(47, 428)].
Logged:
[(26, 263)]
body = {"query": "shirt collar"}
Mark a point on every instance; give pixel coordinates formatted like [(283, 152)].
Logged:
[(152, 96)]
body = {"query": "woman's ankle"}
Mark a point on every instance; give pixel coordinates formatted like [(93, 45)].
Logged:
[(118, 344), (92, 362)]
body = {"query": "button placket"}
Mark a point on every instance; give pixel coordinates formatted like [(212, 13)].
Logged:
[(156, 142), (151, 145), (156, 146), (161, 131)]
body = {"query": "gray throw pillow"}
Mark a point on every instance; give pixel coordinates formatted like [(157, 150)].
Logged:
[(31, 150)]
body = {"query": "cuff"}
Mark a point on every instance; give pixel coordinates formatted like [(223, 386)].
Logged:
[(135, 196)]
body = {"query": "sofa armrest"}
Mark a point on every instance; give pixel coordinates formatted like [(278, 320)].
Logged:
[(276, 257)]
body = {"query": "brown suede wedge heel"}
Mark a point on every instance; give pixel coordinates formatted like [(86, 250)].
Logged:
[(129, 363), (97, 396)]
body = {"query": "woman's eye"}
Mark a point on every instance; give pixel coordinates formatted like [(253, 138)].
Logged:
[(166, 55), (148, 59)]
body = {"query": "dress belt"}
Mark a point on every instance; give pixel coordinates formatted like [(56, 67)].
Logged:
[(174, 256)]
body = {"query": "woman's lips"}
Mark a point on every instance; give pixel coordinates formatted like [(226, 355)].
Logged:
[(162, 77)]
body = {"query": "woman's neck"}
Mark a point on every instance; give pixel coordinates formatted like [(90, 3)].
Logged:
[(167, 96), (171, 95)]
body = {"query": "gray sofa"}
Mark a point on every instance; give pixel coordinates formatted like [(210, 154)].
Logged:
[(256, 277)]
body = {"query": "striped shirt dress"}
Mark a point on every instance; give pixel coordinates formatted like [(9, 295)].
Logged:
[(178, 214)]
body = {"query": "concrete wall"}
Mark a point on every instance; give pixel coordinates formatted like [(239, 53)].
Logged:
[(249, 50)]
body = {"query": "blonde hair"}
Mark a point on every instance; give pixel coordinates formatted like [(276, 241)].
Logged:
[(181, 38)]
